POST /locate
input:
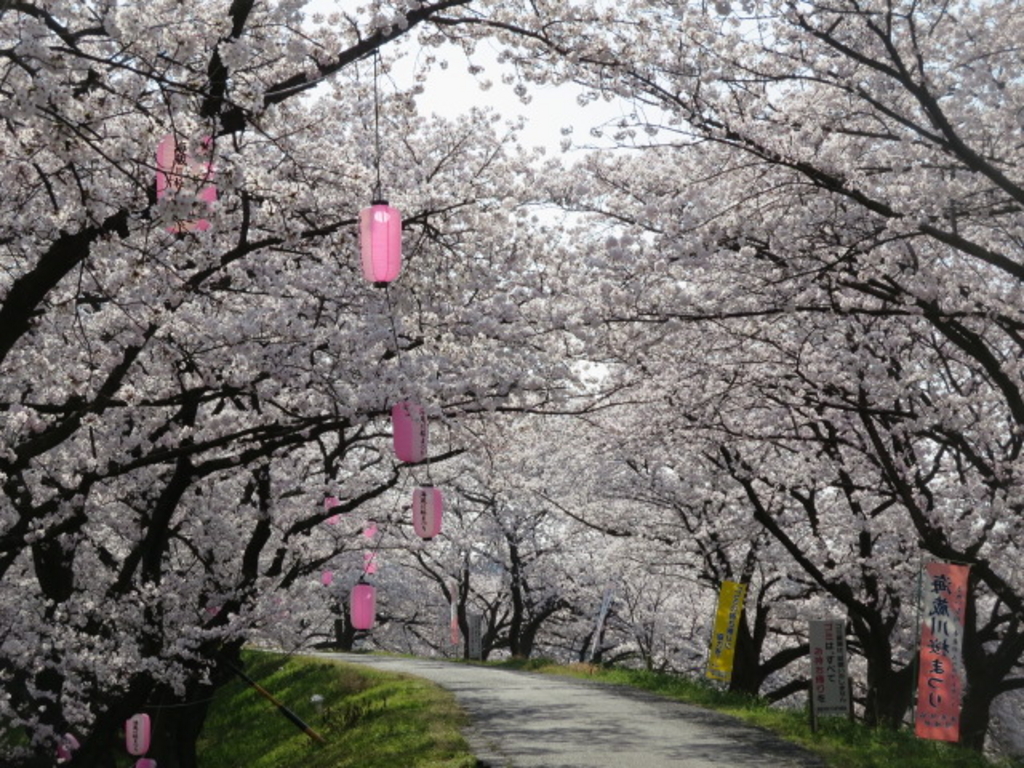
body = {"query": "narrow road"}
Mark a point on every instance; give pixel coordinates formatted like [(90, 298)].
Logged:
[(524, 720)]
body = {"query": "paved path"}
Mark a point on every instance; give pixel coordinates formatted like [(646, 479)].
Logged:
[(524, 720)]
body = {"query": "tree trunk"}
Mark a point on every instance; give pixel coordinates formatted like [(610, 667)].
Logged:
[(344, 634), (889, 690), (746, 657), (176, 732), (975, 714)]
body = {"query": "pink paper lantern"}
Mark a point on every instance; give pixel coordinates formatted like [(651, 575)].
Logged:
[(326, 578), (66, 746), (427, 506), (136, 734), (380, 241), (409, 431), (177, 170), (363, 605), (145, 762)]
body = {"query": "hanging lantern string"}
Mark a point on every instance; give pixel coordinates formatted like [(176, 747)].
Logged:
[(401, 359), (375, 547), (377, 193), (391, 318)]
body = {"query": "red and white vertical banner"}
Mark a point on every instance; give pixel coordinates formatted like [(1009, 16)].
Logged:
[(456, 635), (941, 678), (830, 693)]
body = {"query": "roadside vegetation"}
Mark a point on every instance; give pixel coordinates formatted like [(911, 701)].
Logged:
[(840, 743), (367, 718), (373, 719)]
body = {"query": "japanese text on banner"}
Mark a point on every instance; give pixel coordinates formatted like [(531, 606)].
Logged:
[(723, 639), (941, 677)]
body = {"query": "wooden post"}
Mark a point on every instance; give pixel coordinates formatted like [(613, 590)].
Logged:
[(811, 708), (280, 707)]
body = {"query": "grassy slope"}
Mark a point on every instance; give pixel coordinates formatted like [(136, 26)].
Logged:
[(370, 719)]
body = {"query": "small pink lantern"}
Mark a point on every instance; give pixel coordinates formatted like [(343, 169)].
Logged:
[(330, 503), (326, 578), (409, 431), (363, 605), (66, 747), (427, 506), (177, 170), (145, 762), (136, 734), (369, 562), (380, 241)]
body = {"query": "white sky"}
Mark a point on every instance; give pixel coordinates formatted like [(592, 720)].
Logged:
[(454, 91)]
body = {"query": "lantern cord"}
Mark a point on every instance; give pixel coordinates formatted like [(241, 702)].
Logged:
[(377, 193), (401, 361), (391, 317)]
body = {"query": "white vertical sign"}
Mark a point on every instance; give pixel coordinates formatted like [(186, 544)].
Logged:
[(830, 693), (476, 645), (602, 614)]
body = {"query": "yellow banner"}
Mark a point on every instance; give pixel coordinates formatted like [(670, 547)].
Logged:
[(727, 620)]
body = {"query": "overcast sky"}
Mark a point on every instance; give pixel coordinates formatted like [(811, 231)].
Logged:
[(455, 91)]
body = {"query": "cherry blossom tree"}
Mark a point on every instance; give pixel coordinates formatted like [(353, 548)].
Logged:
[(834, 209), (180, 397), (797, 281)]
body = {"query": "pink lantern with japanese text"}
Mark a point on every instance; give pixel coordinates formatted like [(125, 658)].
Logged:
[(427, 506), (363, 606), (409, 431), (136, 734), (177, 170), (380, 242)]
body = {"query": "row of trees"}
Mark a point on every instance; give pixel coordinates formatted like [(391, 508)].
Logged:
[(177, 405), (775, 336), (812, 276)]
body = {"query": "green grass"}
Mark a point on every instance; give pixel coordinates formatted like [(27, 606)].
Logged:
[(842, 744), (369, 719)]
